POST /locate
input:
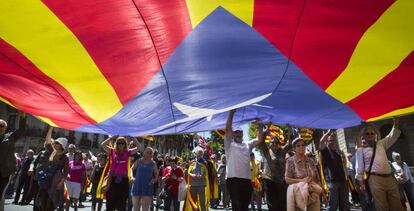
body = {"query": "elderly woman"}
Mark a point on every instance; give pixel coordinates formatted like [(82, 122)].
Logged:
[(117, 194), (145, 177), (198, 181), (302, 176)]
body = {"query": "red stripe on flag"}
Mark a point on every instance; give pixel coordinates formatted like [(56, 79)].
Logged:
[(29, 89), (168, 22), (327, 34), (392, 92), (118, 40)]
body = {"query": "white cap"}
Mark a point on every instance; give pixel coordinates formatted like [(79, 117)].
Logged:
[(62, 141), (198, 148)]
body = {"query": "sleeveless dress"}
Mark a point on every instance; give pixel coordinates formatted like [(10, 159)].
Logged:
[(142, 185)]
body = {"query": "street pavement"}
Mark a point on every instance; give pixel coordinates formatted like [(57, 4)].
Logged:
[(11, 207)]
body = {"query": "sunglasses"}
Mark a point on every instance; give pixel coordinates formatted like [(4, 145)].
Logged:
[(119, 143), (369, 134)]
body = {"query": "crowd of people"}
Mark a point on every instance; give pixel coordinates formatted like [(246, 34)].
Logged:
[(128, 177)]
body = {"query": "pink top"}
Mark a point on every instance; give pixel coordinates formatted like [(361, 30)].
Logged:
[(76, 169), (119, 165), (18, 162)]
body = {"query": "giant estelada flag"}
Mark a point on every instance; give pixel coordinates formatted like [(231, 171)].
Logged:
[(141, 67)]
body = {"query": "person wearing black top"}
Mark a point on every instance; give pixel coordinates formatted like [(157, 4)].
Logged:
[(24, 179), (274, 160), (7, 150), (334, 166), (97, 172)]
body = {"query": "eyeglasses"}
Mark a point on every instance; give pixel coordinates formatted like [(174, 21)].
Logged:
[(370, 134), (332, 140), (119, 143)]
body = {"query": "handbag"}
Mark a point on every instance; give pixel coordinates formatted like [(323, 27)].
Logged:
[(182, 190)]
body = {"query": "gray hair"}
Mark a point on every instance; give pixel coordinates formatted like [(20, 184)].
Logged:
[(4, 122), (395, 155)]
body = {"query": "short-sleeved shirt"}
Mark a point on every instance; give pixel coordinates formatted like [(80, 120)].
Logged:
[(76, 169), (238, 159), (119, 165), (299, 169)]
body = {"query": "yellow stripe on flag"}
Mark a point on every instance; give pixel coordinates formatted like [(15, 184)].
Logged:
[(394, 113), (41, 37), (242, 9), (7, 102), (380, 51), (48, 121)]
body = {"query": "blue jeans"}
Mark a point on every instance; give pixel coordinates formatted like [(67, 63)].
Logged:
[(174, 201), (338, 196)]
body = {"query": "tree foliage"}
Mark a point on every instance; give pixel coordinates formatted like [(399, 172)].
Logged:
[(216, 143)]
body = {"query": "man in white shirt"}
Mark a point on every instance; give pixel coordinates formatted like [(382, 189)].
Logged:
[(237, 152), (384, 188)]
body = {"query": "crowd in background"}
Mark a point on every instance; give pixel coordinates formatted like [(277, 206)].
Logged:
[(125, 176)]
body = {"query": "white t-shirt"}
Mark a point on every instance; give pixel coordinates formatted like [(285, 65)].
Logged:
[(238, 159)]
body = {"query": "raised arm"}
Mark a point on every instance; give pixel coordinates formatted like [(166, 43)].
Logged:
[(322, 142), (137, 144), (22, 127), (260, 134), (229, 125), (105, 143), (48, 139), (392, 137), (287, 146)]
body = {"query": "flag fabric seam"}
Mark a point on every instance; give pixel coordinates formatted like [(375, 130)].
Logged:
[(159, 61)]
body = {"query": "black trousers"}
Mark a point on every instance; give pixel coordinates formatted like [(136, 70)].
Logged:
[(240, 191), (24, 182), (117, 195), (276, 195), (3, 184)]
